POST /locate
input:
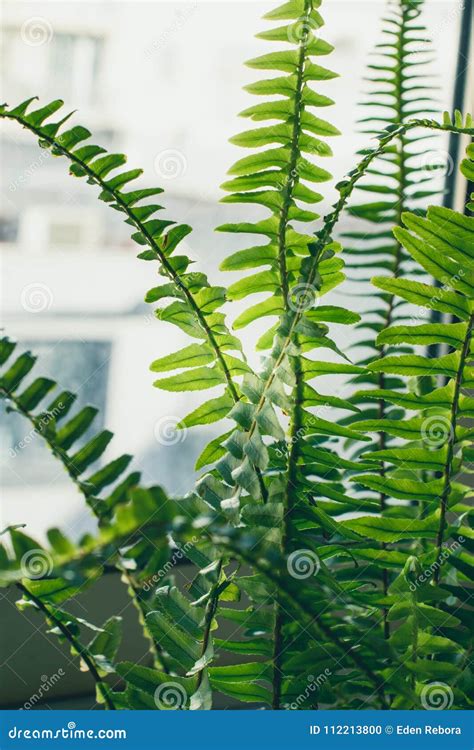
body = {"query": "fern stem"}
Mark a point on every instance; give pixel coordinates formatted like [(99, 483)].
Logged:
[(55, 449), (291, 181), (138, 224), (292, 176), (401, 153), (208, 618), (172, 274), (292, 479), (415, 627), (84, 654), (154, 647), (448, 467), (316, 626), (277, 655)]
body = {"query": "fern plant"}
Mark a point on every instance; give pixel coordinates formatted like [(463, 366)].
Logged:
[(400, 90), (287, 530)]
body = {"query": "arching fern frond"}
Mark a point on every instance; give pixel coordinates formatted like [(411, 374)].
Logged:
[(133, 538), (237, 467), (437, 438), (98, 656), (402, 176), (129, 515), (276, 178), (62, 434), (195, 302), (400, 180)]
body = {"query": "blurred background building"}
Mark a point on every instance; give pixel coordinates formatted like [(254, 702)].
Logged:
[(160, 81)]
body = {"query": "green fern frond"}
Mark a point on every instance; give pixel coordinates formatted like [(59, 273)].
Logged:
[(276, 178), (62, 434), (467, 169), (444, 242), (98, 656), (403, 175), (195, 305), (128, 514), (401, 179), (428, 641)]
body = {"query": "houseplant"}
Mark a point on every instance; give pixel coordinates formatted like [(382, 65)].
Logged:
[(342, 563)]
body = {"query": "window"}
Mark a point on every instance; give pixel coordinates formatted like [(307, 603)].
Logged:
[(74, 66), (84, 370)]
